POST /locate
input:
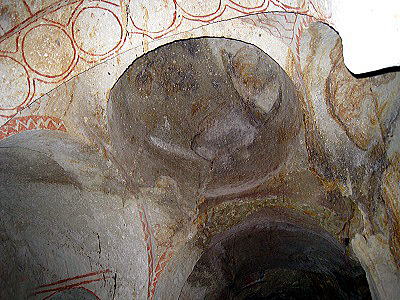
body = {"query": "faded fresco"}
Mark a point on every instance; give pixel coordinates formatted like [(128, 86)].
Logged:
[(137, 137)]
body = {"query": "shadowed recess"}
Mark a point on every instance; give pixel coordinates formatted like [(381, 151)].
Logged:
[(275, 260)]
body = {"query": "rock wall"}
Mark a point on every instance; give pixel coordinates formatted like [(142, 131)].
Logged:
[(129, 143)]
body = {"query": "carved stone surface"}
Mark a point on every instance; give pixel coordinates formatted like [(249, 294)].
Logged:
[(134, 139), (218, 116)]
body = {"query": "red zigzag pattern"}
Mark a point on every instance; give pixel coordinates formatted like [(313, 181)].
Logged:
[(20, 124)]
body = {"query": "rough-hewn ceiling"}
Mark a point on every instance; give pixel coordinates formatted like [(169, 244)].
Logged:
[(197, 150)]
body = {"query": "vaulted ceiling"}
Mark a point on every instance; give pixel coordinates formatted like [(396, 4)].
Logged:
[(227, 149)]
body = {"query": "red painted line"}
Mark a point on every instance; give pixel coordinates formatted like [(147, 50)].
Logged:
[(67, 287), (174, 18), (172, 28), (71, 15), (121, 39), (20, 124), (51, 295), (73, 60), (288, 8), (76, 277), (218, 14), (28, 83), (27, 7), (199, 16), (29, 20), (149, 249), (16, 45), (249, 8), (108, 2), (90, 292)]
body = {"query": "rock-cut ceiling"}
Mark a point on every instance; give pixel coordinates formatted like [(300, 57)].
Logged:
[(196, 150)]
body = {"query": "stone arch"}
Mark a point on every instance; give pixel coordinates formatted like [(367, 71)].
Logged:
[(262, 248)]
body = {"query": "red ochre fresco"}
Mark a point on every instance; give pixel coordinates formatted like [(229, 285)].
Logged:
[(153, 273), (21, 124), (308, 8), (54, 289)]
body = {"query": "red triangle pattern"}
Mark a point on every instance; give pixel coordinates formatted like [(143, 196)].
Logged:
[(21, 124)]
